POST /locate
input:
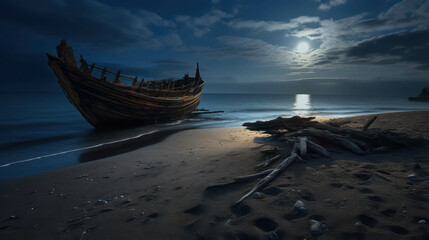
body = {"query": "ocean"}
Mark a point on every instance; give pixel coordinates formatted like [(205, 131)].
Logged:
[(43, 131)]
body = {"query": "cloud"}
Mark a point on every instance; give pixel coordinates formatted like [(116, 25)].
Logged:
[(250, 48), (396, 36), (202, 25), (271, 26), (400, 47), (215, 1), (87, 21), (331, 3)]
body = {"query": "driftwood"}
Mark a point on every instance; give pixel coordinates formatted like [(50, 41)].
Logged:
[(310, 136), (371, 121), (303, 146), (241, 179), (314, 147), (268, 162), (286, 163)]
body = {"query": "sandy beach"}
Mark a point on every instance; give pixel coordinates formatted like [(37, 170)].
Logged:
[(159, 191)]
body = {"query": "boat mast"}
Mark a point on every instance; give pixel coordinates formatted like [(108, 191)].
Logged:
[(197, 73), (65, 53)]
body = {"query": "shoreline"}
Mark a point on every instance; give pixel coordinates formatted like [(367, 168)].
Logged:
[(115, 147), (139, 192)]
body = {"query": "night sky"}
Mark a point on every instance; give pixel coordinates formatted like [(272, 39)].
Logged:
[(252, 46)]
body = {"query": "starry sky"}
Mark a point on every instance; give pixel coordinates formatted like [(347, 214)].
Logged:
[(354, 46)]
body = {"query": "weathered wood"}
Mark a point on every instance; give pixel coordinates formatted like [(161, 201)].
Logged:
[(290, 124), (314, 147), (302, 146), (107, 104), (65, 53), (135, 81), (118, 77), (91, 68), (268, 162), (283, 165), (241, 179), (84, 65), (327, 136), (349, 145), (102, 77), (371, 121)]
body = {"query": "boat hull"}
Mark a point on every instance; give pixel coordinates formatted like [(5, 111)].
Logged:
[(108, 105)]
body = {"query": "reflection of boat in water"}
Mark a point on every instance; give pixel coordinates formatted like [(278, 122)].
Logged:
[(108, 103), (424, 95)]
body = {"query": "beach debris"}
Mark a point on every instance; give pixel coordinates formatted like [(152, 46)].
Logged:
[(314, 147), (412, 176), (310, 138), (241, 179), (81, 176), (263, 182), (268, 162), (100, 202), (273, 235), (371, 121), (302, 146), (357, 141), (11, 218), (315, 227), (298, 205), (106, 210), (258, 195)]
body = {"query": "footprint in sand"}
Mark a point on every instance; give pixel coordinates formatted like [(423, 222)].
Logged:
[(318, 217), (353, 236), (151, 217), (273, 191), (365, 190), (130, 219), (241, 210), (147, 198), (389, 212), (306, 195), (295, 215), (375, 199), (363, 175), (368, 221), (244, 236), (336, 185), (398, 230), (198, 209), (265, 224)]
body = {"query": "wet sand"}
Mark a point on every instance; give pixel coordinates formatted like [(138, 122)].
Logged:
[(158, 192)]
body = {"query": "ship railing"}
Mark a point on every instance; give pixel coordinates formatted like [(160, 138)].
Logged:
[(164, 84)]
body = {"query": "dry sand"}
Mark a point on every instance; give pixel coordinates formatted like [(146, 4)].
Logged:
[(158, 192)]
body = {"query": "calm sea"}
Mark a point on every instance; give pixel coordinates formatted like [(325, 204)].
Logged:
[(43, 131)]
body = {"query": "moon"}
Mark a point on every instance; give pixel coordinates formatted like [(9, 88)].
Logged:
[(302, 47)]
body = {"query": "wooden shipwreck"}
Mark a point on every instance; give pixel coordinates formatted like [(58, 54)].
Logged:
[(105, 102)]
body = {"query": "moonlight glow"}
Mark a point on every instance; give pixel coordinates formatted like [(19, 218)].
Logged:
[(302, 47)]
